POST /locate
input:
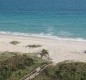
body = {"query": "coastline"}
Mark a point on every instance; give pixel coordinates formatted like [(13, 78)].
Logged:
[(59, 50), (42, 35)]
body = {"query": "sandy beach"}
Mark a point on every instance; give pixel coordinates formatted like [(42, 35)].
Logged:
[(59, 50)]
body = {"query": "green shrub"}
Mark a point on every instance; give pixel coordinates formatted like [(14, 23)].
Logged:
[(72, 71), (12, 64), (64, 71)]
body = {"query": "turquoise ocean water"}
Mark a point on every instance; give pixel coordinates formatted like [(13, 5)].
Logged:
[(57, 19)]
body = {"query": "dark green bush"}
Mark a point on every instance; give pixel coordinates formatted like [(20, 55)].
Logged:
[(12, 64), (71, 71)]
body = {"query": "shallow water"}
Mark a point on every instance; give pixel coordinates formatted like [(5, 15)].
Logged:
[(55, 19)]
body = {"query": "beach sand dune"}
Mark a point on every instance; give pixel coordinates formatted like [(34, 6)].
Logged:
[(59, 50)]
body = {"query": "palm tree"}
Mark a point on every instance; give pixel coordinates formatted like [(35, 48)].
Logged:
[(44, 52)]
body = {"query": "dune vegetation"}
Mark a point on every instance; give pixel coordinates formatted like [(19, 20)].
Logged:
[(14, 42), (14, 65), (64, 71), (33, 46)]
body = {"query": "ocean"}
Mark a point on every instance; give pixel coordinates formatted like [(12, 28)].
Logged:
[(58, 19)]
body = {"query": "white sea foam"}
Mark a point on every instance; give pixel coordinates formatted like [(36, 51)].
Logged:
[(42, 35), (65, 33)]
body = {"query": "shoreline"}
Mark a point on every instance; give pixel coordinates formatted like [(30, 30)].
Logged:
[(59, 50), (46, 37)]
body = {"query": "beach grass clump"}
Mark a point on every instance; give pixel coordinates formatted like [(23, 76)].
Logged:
[(33, 46), (84, 51), (14, 42)]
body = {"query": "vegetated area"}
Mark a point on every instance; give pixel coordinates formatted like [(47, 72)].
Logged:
[(14, 42), (14, 65), (33, 46), (64, 71)]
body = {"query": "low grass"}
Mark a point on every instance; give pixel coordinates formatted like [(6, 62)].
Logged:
[(14, 42), (33, 46)]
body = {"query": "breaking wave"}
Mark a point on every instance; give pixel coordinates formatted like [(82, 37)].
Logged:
[(42, 35)]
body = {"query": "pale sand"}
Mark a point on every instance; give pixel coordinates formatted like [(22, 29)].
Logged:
[(59, 50)]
